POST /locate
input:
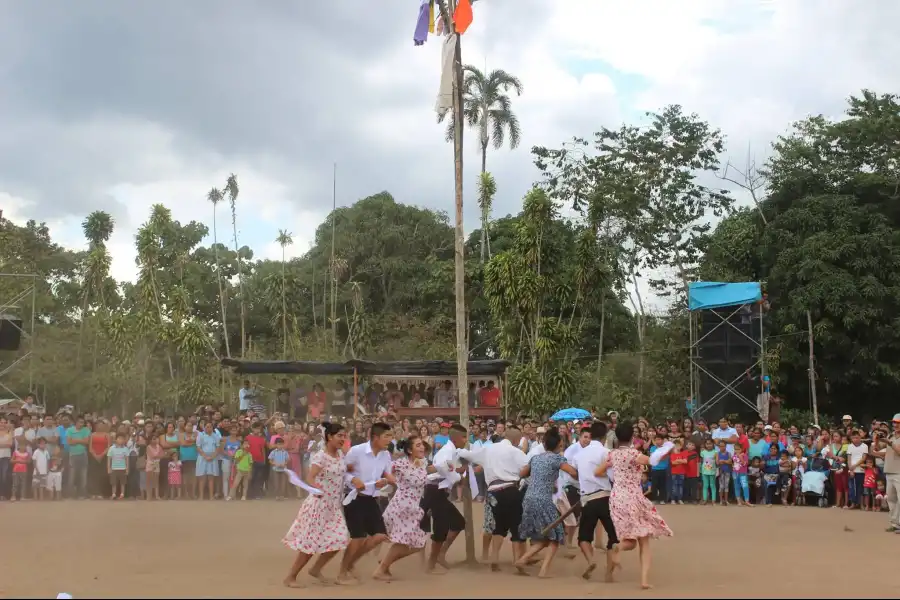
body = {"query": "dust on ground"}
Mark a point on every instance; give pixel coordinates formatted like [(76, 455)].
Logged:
[(129, 549)]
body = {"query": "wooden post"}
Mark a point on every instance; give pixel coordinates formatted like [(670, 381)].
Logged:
[(812, 371)]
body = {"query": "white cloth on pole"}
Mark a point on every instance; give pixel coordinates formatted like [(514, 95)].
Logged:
[(445, 92), (473, 483)]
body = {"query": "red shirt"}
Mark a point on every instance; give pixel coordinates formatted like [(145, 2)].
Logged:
[(257, 447), (490, 396), (679, 469), (693, 464)]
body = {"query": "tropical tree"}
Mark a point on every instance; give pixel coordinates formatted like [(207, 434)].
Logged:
[(98, 228), (487, 187), (284, 240), (232, 190), (215, 196), (487, 108)]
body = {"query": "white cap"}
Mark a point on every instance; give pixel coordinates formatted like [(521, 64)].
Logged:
[(541, 430), (846, 418)]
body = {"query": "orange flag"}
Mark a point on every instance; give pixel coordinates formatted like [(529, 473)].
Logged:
[(462, 17)]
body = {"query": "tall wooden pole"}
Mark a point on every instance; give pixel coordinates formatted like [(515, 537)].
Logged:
[(812, 371), (462, 349), (333, 279)]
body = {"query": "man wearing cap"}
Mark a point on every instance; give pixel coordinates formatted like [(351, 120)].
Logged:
[(891, 456)]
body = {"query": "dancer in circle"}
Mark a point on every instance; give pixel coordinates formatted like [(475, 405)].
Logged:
[(635, 518), (538, 508), (447, 522), (320, 527), (592, 464), (404, 513), (368, 470)]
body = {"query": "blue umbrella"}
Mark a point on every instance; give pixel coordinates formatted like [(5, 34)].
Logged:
[(570, 414)]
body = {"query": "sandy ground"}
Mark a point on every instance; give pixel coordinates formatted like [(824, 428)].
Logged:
[(218, 550)]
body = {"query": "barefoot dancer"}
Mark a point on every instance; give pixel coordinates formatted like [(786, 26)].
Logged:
[(538, 508), (320, 527), (591, 464), (404, 513), (447, 522), (366, 463), (503, 463), (635, 517)]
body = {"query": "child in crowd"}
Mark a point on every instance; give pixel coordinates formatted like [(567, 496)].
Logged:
[(41, 460), (723, 461), (755, 480), (55, 474), (174, 476), (154, 453), (880, 503), (243, 466), (771, 476), (799, 465), (659, 473), (679, 470), (20, 460), (692, 475), (278, 458), (740, 470), (645, 484), (841, 482), (870, 476), (708, 472), (785, 467), (117, 466)]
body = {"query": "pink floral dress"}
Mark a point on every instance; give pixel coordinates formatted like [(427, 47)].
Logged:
[(633, 515), (320, 526), (403, 513)]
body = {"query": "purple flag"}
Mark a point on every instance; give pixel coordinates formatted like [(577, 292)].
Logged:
[(421, 33)]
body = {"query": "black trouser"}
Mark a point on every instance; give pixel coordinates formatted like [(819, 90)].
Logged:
[(444, 515), (597, 510), (257, 480), (573, 495), (506, 505), (690, 489), (658, 483)]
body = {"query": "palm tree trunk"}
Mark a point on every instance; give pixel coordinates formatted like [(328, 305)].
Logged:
[(283, 309), (221, 293), (602, 327), (484, 224), (240, 284)]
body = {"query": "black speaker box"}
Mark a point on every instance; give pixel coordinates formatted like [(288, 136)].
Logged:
[(10, 333), (734, 342)]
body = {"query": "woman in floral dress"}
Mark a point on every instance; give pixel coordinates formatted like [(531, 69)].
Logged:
[(633, 515), (404, 513), (538, 507), (320, 527)]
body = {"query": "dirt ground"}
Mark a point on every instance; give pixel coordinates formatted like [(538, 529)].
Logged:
[(103, 549)]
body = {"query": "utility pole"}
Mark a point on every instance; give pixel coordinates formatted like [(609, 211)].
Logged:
[(812, 371), (462, 347)]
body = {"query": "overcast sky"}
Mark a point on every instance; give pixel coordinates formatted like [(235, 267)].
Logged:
[(118, 105)]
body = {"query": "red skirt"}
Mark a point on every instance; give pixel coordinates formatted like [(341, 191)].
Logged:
[(841, 482)]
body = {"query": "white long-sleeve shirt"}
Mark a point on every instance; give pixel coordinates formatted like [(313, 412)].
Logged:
[(586, 462), (445, 461), (502, 463), (570, 454), (367, 466)]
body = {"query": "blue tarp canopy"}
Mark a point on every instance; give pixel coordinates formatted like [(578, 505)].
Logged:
[(703, 295)]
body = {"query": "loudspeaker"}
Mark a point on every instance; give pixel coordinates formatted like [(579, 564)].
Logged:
[(736, 341), (10, 332)]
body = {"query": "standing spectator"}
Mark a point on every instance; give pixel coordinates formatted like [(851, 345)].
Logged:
[(443, 397), (315, 402), (78, 437), (708, 471), (659, 473), (117, 467), (153, 467), (257, 442), (98, 475), (723, 462), (727, 433), (41, 459), (856, 456), (692, 475), (679, 471), (891, 456), (187, 454), (49, 433), (207, 461), (278, 458), (243, 466), (6, 449), (246, 396), (741, 468), (25, 435), (490, 395), (20, 462)]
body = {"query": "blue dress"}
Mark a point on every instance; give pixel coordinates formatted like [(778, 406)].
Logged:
[(538, 508)]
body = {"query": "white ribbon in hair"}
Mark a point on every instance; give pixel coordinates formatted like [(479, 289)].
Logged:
[(295, 480), (352, 494), (660, 453)]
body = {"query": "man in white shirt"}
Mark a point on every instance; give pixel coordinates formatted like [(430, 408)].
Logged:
[(727, 433), (447, 521), (570, 486), (591, 463), (856, 456), (246, 395), (503, 463), (368, 470)]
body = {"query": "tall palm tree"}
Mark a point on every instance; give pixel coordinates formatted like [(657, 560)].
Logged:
[(487, 107), (98, 228), (284, 240), (487, 187), (215, 196), (231, 188)]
